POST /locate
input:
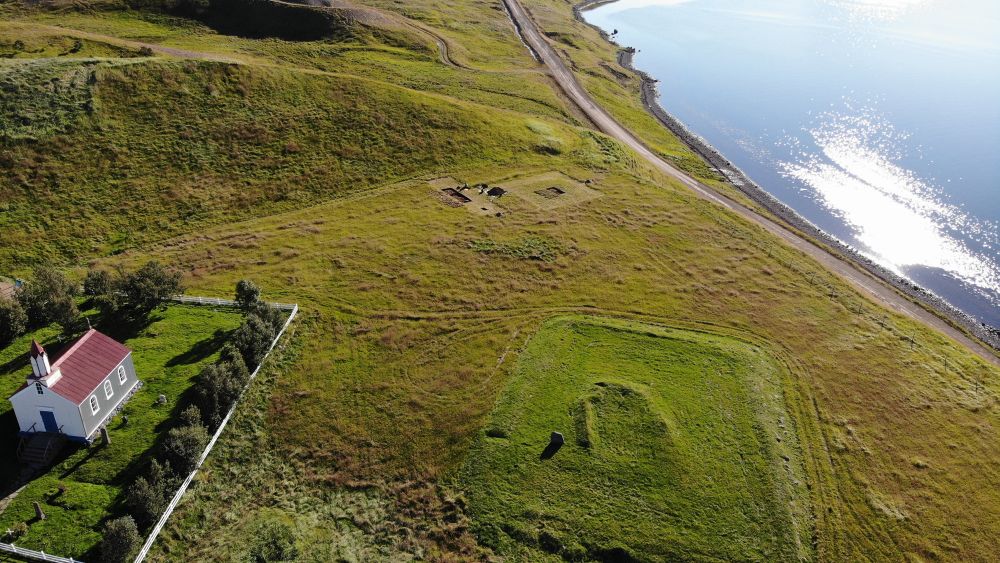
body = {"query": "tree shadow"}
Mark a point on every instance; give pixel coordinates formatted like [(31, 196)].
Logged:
[(201, 349), (123, 329)]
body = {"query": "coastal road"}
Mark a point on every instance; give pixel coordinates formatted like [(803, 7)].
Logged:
[(864, 281)]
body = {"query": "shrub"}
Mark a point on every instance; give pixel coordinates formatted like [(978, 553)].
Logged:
[(253, 338), (145, 501), (147, 497), (17, 532), (270, 315), (273, 541), (183, 446), (218, 387), (191, 416), (110, 304), (132, 296), (121, 540), (13, 321), (231, 356), (97, 282), (247, 295), (67, 316)]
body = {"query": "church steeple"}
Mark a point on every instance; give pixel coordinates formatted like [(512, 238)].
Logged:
[(39, 361)]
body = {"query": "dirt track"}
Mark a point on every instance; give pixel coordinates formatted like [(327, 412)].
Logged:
[(864, 281)]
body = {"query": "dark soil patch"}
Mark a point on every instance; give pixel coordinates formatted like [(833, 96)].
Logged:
[(551, 193), (455, 197)]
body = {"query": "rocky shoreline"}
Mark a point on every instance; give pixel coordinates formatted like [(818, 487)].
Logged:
[(650, 96)]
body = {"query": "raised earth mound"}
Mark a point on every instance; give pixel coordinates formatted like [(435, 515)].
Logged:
[(677, 446)]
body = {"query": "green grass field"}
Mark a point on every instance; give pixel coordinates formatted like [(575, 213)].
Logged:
[(168, 352), (312, 168), (674, 445)]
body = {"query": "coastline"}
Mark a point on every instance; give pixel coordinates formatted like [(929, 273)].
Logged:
[(989, 335)]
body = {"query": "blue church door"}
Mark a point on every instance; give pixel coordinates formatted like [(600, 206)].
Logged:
[(49, 420)]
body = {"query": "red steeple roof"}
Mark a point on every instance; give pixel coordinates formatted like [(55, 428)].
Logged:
[(36, 349)]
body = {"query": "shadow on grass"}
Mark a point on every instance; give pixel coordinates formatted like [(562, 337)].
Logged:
[(123, 330), (15, 363), (54, 349), (9, 467), (550, 450), (201, 349), (69, 450)]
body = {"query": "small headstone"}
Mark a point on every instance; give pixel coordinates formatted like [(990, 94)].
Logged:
[(105, 436), (557, 438), (38, 511), (124, 420), (161, 400)]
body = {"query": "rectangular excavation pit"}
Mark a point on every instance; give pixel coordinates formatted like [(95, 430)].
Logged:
[(551, 192), (456, 197)]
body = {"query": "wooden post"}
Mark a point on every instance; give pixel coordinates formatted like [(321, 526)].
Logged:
[(105, 436), (38, 511)]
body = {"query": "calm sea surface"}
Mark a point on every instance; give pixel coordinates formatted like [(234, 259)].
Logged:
[(877, 120)]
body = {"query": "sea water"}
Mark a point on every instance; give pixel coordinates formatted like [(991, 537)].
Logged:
[(877, 120)]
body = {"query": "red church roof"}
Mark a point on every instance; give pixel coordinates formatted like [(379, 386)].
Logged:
[(36, 349), (86, 364)]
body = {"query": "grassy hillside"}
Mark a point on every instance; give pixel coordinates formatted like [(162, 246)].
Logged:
[(674, 445), (96, 148), (316, 168), (413, 329)]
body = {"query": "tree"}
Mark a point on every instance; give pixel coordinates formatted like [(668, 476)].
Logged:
[(218, 387), (147, 497), (253, 338), (47, 298), (66, 314), (269, 314), (231, 356), (13, 321), (98, 282), (148, 287), (183, 446), (247, 295), (121, 540), (145, 501)]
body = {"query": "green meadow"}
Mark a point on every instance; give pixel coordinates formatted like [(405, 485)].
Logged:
[(169, 352), (677, 447), (438, 346)]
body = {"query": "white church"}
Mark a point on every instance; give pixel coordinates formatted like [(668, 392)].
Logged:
[(77, 393)]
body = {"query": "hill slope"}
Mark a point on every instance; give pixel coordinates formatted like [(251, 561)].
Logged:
[(317, 167)]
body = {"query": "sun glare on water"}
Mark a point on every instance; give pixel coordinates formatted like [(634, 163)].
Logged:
[(877, 10), (898, 218)]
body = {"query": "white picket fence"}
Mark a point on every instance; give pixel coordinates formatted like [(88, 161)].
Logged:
[(36, 555), (196, 300), (222, 426)]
